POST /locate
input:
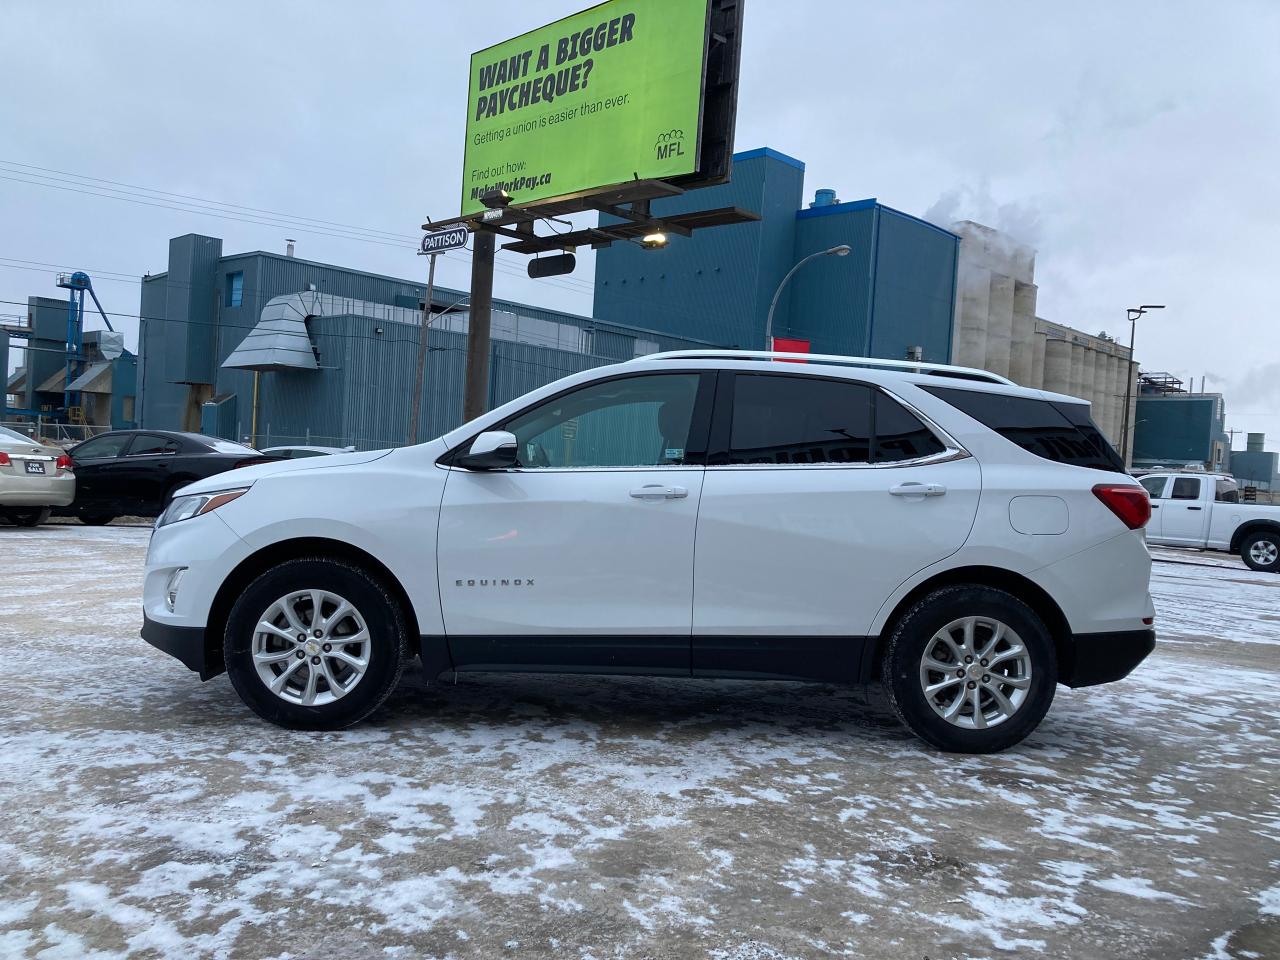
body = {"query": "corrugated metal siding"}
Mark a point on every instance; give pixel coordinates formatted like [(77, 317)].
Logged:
[(1174, 429), (715, 286), (831, 296), (914, 288), (191, 308)]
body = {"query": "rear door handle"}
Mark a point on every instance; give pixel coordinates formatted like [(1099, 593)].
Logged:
[(1195, 508), (656, 491), (913, 489)]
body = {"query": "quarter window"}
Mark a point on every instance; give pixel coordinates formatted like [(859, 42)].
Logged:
[(1226, 491), (632, 422), (1186, 488)]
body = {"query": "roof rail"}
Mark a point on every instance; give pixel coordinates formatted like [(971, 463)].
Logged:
[(907, 366)]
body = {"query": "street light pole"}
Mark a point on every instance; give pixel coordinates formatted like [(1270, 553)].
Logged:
[(843, 250), (1134, 313)]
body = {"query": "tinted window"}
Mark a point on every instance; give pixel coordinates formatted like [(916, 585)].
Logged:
[(634, 422), (780, 419), (1226, 491), (1154, 485), (235, 288), (899, 434), (7, 434), (150, 444), (228, 446), (1186, 488), (101, 447), (1061, 432)]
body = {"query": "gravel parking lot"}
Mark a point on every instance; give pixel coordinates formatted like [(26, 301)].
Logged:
[(150, 815)]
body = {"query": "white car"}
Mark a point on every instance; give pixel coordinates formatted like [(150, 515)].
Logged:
[(34, 477), (709, 514), (1203, 510)]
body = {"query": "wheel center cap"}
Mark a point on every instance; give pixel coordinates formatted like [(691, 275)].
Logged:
[(311, 647), (975, 670)]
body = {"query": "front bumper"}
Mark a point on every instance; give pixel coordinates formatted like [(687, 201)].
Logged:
[(187, 644), (1093, 658)]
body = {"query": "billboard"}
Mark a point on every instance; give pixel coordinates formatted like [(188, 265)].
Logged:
[(608, 95)]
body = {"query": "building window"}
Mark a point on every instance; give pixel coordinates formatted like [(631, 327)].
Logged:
[(235, 288)]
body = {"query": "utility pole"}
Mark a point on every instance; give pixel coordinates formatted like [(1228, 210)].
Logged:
[(476, 396), (422, 354)]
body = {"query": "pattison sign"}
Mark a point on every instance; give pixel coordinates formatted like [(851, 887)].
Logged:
[(599, 98)]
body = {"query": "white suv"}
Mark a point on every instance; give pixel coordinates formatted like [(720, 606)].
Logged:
[(709, 514)]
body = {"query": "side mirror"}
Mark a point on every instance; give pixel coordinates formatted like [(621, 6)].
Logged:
[(493, 450)]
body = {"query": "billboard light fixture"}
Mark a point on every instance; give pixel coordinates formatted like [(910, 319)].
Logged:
[(654, 241)]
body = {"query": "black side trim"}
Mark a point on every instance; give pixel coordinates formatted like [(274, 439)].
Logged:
[(1094, 658), (640, 655), (184, 643), (824, 659)]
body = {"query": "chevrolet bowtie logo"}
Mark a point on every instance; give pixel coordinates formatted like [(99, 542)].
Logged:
[(494, 583)]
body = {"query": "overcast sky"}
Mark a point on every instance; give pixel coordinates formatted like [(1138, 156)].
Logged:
[(1135, 145)]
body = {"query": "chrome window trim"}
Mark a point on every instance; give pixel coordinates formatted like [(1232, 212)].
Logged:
[(953, 448)]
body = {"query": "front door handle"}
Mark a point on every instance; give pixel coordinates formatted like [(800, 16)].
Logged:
[(656, 491), (913, 489), (1195, 508)]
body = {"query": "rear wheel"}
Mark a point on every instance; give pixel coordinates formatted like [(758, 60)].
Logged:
[(28, 517), (96, 519), (315, 644), (970, 669), (1261, 551)]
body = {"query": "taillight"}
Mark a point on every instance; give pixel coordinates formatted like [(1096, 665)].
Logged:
[(248, 463), (4, 459), (1131, 504), (64, 463)]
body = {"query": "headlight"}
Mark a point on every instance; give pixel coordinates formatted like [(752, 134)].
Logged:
[(184, 508)]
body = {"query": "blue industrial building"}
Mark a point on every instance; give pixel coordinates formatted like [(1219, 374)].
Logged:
[(1177, 428), (103, 373), (892, 297), (341, 348)]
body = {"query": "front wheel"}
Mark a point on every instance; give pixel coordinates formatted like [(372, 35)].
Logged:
[(31, 517), (970, 669), (1261, 551), (315, 644)]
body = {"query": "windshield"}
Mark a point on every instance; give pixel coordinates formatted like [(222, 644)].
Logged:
[(7, 434)]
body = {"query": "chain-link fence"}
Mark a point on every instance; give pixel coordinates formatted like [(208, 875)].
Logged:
[(50, 431)]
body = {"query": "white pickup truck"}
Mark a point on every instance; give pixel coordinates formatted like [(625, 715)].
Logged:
[(1204, 510)]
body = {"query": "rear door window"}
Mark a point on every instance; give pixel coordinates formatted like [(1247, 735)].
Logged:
[(151, 445), (1226, 491), (1185, 488), (799, 420), (1057, 431)]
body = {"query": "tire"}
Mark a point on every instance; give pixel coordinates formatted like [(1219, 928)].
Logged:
[(28, 517), (95, 519), (1031, 675), (1261, 551), (337, 700)]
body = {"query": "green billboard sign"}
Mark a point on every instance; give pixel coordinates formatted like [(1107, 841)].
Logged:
[(604, 96)]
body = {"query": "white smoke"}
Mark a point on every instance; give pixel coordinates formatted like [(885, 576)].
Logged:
[(1018, 222)]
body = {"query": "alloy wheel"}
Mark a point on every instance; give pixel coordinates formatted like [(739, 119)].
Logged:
[(975, 672), (311, 647), (1264, 552)]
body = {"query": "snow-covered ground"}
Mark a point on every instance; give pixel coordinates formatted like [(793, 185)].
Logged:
[(149, 815)]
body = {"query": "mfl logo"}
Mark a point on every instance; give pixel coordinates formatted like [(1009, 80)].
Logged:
[(670, 144)]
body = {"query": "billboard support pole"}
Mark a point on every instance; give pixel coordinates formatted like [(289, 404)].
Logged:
[(476, 396), (422, 354)]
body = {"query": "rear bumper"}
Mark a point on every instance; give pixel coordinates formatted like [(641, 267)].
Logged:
[(187, 644), (37, 492), (1094, 658)]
